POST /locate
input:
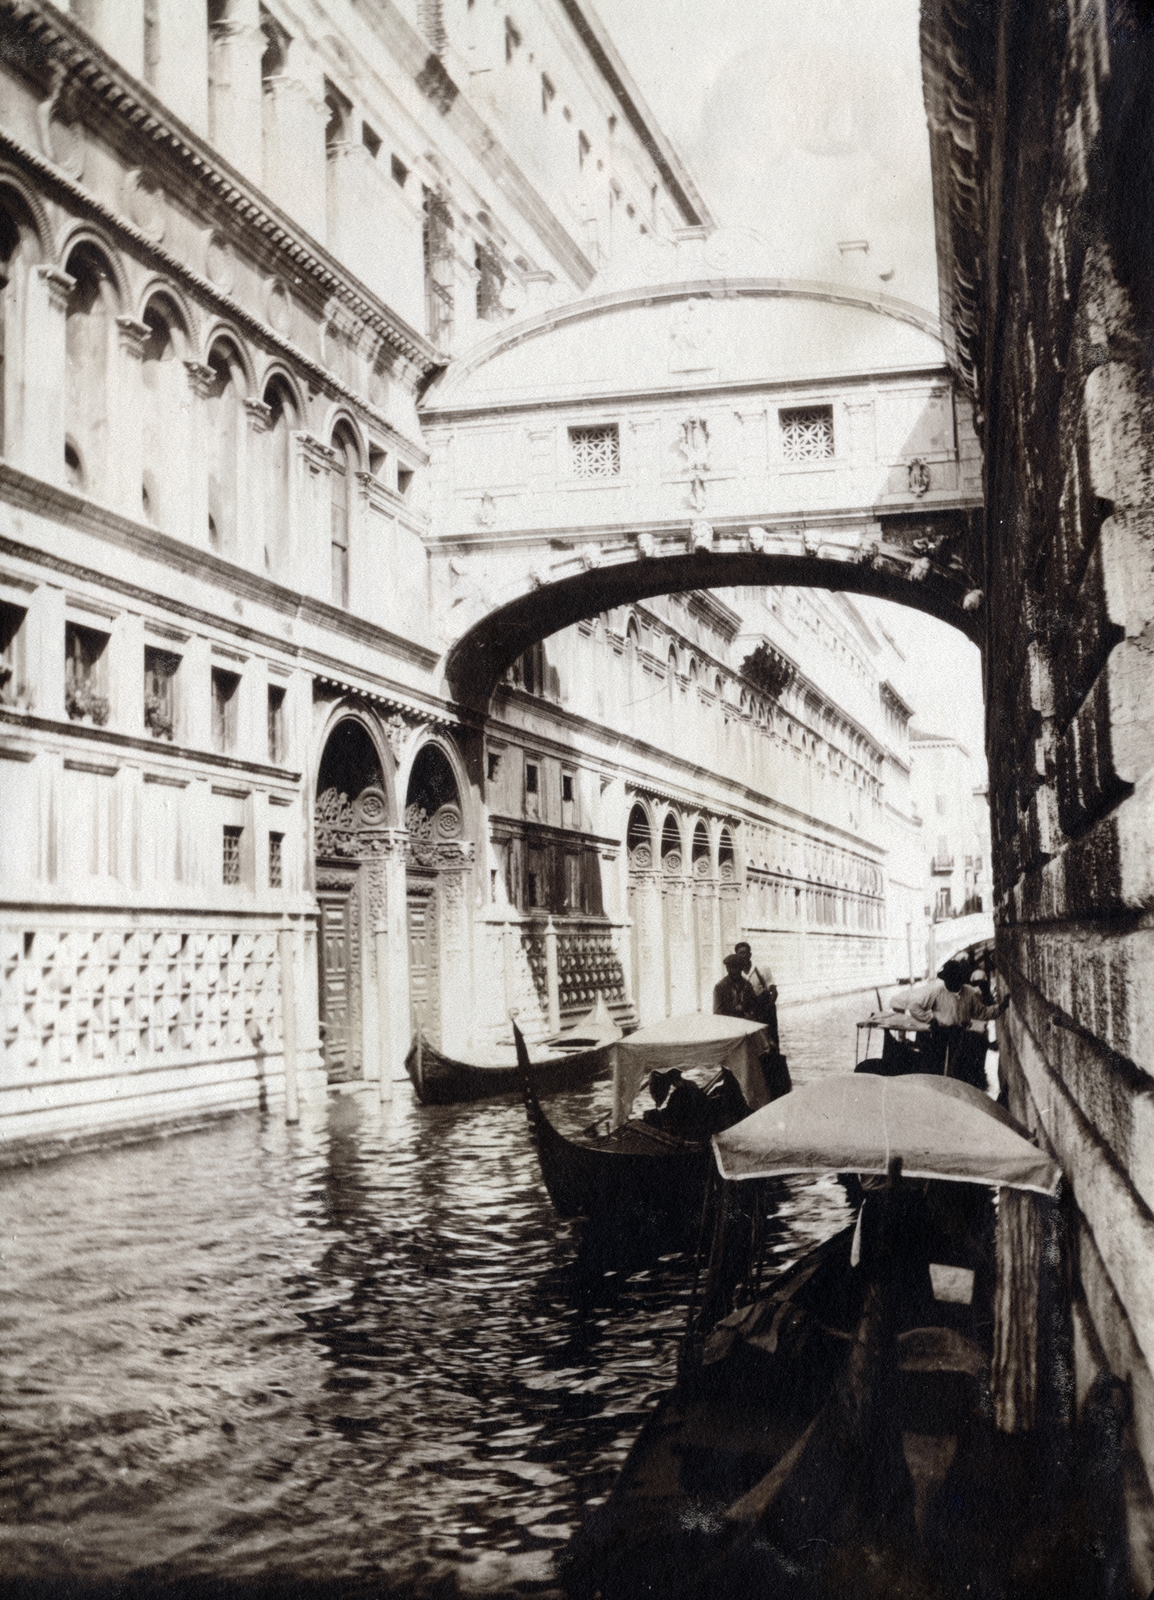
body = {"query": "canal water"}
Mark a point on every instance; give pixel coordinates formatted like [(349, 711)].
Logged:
[(353, 1355)]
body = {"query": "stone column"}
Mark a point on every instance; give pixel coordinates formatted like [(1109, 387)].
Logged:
[(294, 117), (125, 651), (200, 381), (287, 940), (391, 941), (314, 521), (40, 425), (252, 533), (180, 77), (126, 415), (647, 931), (552, 983), (234, 87)]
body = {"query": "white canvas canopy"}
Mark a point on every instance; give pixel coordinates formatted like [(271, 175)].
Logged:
[(858, 1122), (697, 1039)]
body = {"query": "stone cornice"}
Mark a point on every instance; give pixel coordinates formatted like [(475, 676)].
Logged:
[(72, 510), (957, 63), (108, 738), (63, 43), (326, 381)]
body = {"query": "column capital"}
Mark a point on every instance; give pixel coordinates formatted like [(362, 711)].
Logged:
[(200, 377), (316, 456), (259, 415), (58, 284), (133, 336)]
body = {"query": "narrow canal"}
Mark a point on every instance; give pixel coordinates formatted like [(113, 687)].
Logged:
[(353, 1354)]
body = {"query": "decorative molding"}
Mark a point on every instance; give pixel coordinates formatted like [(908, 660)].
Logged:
[(96, 767), (166, 781), (127, 741), (78, 63), (316, 456), (231, 794), (200, 378), (436, 841), (133, 336), (259, 415), (59, 284)]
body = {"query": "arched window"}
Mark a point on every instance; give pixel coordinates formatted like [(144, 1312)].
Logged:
[(700, 850), (671, 844), (162, 421), (671, 669), (19, 249), (637, 842), (88, 349), (225, 413), (278, 463), (343, 469), (726, 864)]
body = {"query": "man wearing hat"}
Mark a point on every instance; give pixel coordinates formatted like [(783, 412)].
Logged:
[(949, 1005), (733, 997)]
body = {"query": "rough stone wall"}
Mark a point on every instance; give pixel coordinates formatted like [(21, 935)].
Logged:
[(1044, 221)]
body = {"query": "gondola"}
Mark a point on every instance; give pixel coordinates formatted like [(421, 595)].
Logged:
[(831, 1432), (566, 1061), (639, 1181)]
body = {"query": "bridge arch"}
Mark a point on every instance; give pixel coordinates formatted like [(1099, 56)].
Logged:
[(700, 432)]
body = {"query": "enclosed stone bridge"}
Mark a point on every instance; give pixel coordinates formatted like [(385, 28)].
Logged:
[(704, 432)]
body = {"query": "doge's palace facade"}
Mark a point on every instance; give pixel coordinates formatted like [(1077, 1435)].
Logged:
[(242, 810)]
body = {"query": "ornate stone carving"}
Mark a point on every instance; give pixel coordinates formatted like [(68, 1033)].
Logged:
[(919, 475), (132, 336), (700, 536), (200, 378), (757, 538), (435, 841), (259, 415), (220, 261), (487, 510), (144, 202), (59, 286), (646, 546)]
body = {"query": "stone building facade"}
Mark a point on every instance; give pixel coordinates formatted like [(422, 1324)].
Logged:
[(1043, 143), (248, 815)]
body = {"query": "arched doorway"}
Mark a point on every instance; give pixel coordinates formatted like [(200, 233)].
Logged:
[(438, 863), (351, 820)]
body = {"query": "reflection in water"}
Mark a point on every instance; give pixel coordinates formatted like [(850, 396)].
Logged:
[(353, 1352)]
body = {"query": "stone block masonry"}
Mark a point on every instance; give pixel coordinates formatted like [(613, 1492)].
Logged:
[(1040, 149)]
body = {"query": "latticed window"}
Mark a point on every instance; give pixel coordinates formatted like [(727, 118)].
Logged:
[(807, 433), (230, 856), (275, 861), (596, 452)]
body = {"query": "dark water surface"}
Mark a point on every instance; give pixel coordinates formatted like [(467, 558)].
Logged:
[(353, 1353)]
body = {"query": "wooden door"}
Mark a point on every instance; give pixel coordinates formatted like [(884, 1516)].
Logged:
[(424, 962), (336, 956)]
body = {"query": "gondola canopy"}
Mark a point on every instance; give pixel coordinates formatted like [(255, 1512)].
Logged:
[(696, 1040), (856, 1122)]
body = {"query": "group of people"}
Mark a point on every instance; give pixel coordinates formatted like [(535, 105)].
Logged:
[(747, 991), (955, 1006)]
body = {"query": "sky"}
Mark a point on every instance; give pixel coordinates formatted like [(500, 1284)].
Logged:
[(803, 120)]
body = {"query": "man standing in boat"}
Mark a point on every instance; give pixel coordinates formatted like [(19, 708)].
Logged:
[(733, 996), (760, 980), (949, 1005)]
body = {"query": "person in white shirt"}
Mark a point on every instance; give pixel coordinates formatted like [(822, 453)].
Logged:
[(760, 980), (949, 1005)]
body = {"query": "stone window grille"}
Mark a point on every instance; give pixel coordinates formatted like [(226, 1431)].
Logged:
[(276, 744), (230, 855), (276, 861), (84, 674), (595, 452), (807, 433), (224, 704), (160, 669)]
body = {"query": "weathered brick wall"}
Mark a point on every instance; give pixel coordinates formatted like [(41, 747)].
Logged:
[(1044, 180)]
